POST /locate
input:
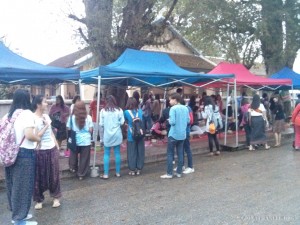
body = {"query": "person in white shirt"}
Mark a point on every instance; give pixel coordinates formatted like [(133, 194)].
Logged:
[(20, 176), (47, 165), (257, 121)]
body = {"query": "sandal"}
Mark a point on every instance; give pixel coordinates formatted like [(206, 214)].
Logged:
[(104, 176), (131, 173)]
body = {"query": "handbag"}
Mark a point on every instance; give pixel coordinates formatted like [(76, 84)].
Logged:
[(71, 143)]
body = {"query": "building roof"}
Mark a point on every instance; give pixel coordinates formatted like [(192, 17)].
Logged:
[(68, 61), (195, 62)]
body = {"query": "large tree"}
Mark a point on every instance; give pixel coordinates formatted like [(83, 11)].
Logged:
[(242, 30), (112, 26)]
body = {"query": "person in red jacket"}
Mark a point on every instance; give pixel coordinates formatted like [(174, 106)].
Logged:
[(93, 113)]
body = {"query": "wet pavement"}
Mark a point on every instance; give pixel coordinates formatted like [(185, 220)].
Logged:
[(242, 187)]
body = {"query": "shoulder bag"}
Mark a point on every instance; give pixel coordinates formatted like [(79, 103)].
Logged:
[(71, 137)]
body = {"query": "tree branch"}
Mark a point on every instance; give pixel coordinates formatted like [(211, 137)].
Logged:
[(170, 11), (82, 20), (83, 35)]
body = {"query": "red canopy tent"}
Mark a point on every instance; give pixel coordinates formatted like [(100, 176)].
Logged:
[(244, 77)]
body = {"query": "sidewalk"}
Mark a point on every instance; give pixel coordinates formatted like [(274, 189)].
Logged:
[(156, 152)]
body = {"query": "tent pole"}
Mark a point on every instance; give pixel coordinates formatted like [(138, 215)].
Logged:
[(80, 90), (165, 96), (94, 169), (226, 116), (236, 116)]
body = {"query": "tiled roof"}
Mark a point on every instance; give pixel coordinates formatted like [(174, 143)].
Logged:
[(68, 61)]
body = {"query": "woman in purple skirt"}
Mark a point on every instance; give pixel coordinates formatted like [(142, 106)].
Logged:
[(47, 166)]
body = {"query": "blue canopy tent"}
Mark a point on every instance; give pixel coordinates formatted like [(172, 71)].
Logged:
[(290, 74), (144, 68), (139, 68), (15, 69)]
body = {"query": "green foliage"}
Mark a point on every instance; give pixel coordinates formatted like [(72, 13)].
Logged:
[(6, 91), (240, 30)]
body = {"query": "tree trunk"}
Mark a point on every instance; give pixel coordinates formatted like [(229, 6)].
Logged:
[(292, 20), (99, 22), (272, 35)]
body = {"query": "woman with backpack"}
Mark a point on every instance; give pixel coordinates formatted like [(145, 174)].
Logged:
[(213, 120), (82, 124), (111, 119), (47, 165), (20, 175), (135, 143)]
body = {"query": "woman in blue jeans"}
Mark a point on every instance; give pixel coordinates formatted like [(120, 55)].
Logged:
[(111, 119)]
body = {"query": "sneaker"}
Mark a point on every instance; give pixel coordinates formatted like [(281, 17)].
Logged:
[(189, 170), (175, 169), (178, 175), (56, 203), (173, 162), (38, 205), (166, 176), (217, 153), (28, 217), (23, 222)]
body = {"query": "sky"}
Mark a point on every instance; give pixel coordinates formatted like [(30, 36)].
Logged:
[(41, 31)]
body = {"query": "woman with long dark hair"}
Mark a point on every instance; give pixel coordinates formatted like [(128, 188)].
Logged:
[(135, 148), (82, 124), (47, 165), (59, 113), (111, 119), (211, 114), (258, 120), (19, 177)]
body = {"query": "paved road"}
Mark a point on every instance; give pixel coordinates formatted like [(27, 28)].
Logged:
[(259, 187)]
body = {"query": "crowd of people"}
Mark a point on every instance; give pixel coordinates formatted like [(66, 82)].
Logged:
[(40, 135)]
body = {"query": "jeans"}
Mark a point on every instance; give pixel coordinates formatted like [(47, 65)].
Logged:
[(107, 156), (136, 154), (147, 122), (172, 143), (213, 138), (187, 150), (248, 133)]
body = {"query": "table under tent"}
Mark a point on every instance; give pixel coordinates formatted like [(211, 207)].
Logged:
[(243, 77), (143, 68), (15, 69)]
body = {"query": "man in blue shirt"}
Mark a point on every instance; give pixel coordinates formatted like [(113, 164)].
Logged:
[(178, 120)]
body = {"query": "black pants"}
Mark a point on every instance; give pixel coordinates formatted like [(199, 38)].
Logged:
[(213, 138)]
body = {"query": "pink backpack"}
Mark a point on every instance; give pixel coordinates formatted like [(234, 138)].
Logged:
[(8, 147)]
